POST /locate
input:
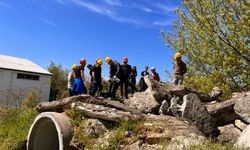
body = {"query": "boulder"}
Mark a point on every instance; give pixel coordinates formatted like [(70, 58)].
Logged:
[(94, 128), (228, 134), (105, 113), (243, 140), (242, 107), (144, 102), (223, 112), (157, 90), (159, 128), (215, 93), (165, 108), (195, 111), (240, 125)]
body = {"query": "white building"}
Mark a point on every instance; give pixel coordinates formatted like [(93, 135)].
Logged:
[(18, 76)]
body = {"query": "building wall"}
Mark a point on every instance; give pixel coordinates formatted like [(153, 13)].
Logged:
[(13, 90)]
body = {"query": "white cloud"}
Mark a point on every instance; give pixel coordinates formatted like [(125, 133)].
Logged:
[(5, 4), (114, 2), (162, 22), (106, 12), (165, 8), (48, 22)]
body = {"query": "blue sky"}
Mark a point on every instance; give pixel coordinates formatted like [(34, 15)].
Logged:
[(63, 31)]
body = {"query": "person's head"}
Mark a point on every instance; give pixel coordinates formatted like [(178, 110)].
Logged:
[(97, 59), (146, 68), (109, 61), (177, 56), (99, 62), (133, 68), (74, 66), (125, 60), (153, 69), (83, 62), (89, 66)]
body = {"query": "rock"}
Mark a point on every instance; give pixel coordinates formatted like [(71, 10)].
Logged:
[(105, 113), (215, 93), (165, 108), (179, 90), (144, 102), (239, 124), (160, 128), (243, 140), (134, 146), (229, 133), (94, 128), (242, 108), (223, 112), (194, 110), (157, 90)]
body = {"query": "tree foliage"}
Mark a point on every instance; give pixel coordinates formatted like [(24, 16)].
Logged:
[(59, 81), (213, 35)]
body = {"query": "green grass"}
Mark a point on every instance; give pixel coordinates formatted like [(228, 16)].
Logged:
[(14, 127)]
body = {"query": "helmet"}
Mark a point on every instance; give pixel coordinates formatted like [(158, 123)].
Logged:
[(74, 66), (83, 61), (152, 68), (99, 61), (125, 59), (108, 59), (177, 55)]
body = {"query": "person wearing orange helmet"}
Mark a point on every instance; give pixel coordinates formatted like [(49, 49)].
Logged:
[(179, 69), (126, 71), (96, 77), (79, 84)]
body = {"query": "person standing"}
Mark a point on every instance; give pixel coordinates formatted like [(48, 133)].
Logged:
[(71, 79), (115, 75), (179, 69), (126, 71), (79, 85), (96, 77), (132, 81), (154, 75), (142, 84)]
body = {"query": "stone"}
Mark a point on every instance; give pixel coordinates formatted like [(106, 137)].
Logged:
[(159, 128), (195, 111), (228, 134), (215, 93), (223, 112), (179, 90), (240, 125), (144, 102), (157, 90), (105, 113), (165, 108), (244, 139), (242, 108), (94, 128)]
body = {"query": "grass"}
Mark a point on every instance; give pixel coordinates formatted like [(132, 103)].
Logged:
[(14, 127)]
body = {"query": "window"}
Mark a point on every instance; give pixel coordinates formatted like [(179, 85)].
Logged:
[(27, 76)]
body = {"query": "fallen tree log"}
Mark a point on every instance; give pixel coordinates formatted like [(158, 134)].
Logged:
[(66, 102), (105, 113)]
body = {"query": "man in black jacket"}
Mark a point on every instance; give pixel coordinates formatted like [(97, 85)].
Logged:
[(96, 77), (126, 71), (115, 75)]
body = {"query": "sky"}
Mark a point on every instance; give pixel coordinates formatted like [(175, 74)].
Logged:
[(64, 31)]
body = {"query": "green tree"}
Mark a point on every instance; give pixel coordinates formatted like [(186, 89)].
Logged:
[(213, 36), (59, 81)]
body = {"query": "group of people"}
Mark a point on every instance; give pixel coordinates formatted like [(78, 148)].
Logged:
[(120, 75)]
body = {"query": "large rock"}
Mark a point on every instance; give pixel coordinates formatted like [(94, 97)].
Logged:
[(244, 139), (105, 113), (242, 107), (144, 102), (157, 90), (223, 112), (160, 128), (240, 125), (194, 110), (94, 128), (229, 133)]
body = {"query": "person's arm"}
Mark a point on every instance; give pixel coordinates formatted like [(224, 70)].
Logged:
[(118, 68), (82, 75), (129, 71)]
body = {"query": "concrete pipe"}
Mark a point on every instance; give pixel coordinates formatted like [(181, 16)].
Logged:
[(50, 131)]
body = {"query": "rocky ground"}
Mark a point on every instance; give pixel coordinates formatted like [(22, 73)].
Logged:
[(154, 118)]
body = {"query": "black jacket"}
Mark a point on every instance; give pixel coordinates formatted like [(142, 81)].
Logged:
[(115, 70)]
